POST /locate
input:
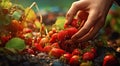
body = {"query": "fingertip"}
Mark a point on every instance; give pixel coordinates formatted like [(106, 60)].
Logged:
[(69, 18)]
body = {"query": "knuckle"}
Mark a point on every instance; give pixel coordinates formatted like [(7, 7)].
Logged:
[(74, 4)]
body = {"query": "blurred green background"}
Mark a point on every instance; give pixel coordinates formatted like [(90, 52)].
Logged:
[(47, 5)]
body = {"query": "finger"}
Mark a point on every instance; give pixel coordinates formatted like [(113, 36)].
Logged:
[(86, 27), (76, 6), (81, 24), (81, 17), (92, 32)]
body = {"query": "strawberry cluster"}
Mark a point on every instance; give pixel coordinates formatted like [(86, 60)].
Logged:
[(56, 44)]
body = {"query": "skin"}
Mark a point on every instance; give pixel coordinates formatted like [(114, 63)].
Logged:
[(97, 11)]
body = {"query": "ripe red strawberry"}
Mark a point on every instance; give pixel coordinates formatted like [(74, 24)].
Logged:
[(36, 40), (15, 26), (30, 51), (68, 45), (43, 41), (88, 56), (76, 52), (4, 39), (47, 49), (27, 30), (83, 15), (110, 60), (53, 38), (66, 26), (93, 50), (50, 33), (71, 31), (62, 35), (74, 60), (66, 57), (56, 52), (28, 41), (54, 30), (38, 47), (55, 45), (75, 23)]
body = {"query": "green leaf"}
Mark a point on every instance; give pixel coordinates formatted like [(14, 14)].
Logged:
[(60, 22), (16, 15), (16, 43), (38, 24)]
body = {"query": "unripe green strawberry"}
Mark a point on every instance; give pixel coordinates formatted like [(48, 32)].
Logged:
[(88, 63)]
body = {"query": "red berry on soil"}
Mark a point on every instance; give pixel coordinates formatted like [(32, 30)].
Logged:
[(110, 60), (56, 52), (71, 31), (15, 26), (29, 41), (47, 49), (88, 56), (67, 57), (43, 41), (38, 47), (68, 45), (4, 39), (93, 50), (74, 60), (27, 30), (62, 35), (53, 38), (76, 52), (30, 51), (55, 45)]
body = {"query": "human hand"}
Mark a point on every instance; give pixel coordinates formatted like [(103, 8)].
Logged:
[(97, 11)]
